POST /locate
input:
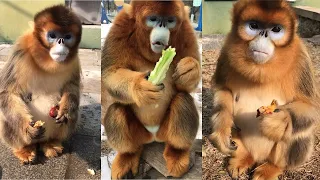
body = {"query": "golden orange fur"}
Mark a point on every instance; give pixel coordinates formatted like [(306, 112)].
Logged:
[(282, 139), (129, 99), (32, 82)]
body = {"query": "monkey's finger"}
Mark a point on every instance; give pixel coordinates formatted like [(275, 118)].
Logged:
[(61, 119), (187, 77), (32, 123), (147, 74), (182, 68), (148, 86), (233, 146), (60, 114)]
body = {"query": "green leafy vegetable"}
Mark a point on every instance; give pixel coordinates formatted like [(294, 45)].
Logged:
[(159, 72)]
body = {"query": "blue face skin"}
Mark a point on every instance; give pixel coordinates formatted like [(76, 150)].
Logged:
[(160, 34), (61, 42), (167, 21), (54, 36)]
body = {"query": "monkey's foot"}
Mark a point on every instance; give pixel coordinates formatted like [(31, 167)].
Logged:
[(177, 160), (237, 165), (52, 149), (27, 154), (266, 172), (123, 163)]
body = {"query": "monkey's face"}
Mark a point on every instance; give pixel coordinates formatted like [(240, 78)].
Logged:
[(60, 44), (265, 30), (160, 33), (159, 21), (59, 31)]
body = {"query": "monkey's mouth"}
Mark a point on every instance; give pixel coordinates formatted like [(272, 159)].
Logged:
[(257, 51), (158, 46), (58, 57), (158, 43)]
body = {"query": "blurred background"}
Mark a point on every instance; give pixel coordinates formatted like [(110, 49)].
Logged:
[(15, 15)]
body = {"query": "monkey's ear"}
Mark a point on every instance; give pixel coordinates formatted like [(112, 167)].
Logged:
[(31, 24), (128, 9)]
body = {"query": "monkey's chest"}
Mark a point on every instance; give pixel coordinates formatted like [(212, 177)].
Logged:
[(39, 107), (245, 105)]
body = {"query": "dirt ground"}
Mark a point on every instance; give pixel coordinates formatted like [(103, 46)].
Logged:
[(213, 162)]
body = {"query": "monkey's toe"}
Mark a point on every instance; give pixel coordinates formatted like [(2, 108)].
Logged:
[(51, 150), (177, 161), (267, 171), (26, 155), (239, 166)]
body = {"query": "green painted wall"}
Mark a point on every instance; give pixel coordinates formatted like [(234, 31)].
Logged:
[(216, 15), (15, 15)]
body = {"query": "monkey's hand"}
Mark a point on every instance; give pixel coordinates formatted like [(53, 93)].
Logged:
[(35, 132), (223, 142), (275, 125), (144, 92), (221, 136), (68, 108), (187, 74)]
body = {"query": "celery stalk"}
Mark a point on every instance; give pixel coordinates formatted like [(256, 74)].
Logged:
[(159, 72)]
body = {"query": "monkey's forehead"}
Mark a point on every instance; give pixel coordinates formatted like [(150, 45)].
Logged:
[(163, 8), (58, 15), (254, 10)]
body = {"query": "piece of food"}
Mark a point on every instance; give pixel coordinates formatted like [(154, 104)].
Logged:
[(38, 124), (54, 111), (267, 109), (159, 72), (91, 172)]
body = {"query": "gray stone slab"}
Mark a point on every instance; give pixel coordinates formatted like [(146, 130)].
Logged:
[(85, 154)]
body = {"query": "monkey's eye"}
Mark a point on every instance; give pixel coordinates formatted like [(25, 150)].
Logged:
[(68, 36), (171, 22), (277, 32), (52, 35), (276, 29), (153, 18), (253, 25), (252, 28), (152, 21)]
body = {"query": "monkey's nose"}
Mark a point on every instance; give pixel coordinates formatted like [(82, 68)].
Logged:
[(61, 41)]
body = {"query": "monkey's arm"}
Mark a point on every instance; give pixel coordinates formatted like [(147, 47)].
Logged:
[(17, 124), (70, 99), (222, 120), (289, 121), (187, 74), (128, 87), (188, 70), (298, 117)]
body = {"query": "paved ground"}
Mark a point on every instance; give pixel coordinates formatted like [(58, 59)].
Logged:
[(82, 151), (213, 162)]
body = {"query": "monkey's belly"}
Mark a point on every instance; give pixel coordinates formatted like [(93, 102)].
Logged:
[(245, 106), (39, 108)]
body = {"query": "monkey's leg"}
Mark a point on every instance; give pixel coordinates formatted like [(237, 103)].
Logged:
[(126, 135), (26, 154), (179, 130), (51, 148), (267, 171), (241, 160)]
